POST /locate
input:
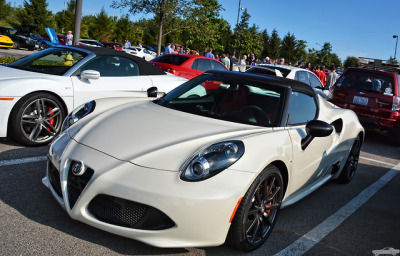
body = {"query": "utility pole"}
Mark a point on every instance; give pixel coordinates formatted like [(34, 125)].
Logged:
[(395, 49), (77, 24)]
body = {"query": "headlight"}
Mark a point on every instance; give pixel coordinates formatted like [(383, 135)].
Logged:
[(212, 160), (78, 113)]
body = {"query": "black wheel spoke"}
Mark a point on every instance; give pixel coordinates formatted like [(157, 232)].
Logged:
[(253, 212), (253, 223), (255, 230), (271, 197), (272, 206)]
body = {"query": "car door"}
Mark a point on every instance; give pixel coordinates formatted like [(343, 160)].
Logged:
[(119, 77), (312, 164)]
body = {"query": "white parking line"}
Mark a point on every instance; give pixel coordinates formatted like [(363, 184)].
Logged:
[(376, 161), (23, 160), (307, 241)]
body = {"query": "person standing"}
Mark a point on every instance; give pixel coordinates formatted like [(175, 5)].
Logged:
[(332, 77), (168, 48), (233, 61), (209, 54), (225, 60), (243, 63), (127, 44), (70, 38)]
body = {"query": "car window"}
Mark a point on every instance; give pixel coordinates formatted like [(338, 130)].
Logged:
[(112, 66), (202, 64), (367, 81), (176, 60), (302, 76), (314, 81), (302, 108), (224, 98), (54, 61), (218, 66)]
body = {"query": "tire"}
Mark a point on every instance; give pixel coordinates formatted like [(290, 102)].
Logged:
[(16, 45), (396, 136), (36, 119), (351, 164), (258, 211)]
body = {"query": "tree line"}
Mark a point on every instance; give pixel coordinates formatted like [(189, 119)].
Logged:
[(195, 24)]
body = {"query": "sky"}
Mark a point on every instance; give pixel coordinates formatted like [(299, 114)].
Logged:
[(360, 28)]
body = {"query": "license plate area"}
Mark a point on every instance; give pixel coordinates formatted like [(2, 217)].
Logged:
[(360, 100)]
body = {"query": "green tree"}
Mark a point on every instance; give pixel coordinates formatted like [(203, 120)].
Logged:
[(393, 61), (65, 19), (243, 35), (351, 62), (5, 9), (300, 52), (161, 9), (266, 41), (288, 46), (336, 61), (274, 45), (123, 29), (201, 27), (35, 13), (101, 28)]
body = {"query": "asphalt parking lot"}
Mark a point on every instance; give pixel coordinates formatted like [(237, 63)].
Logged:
[(14, 52), (352, 219)]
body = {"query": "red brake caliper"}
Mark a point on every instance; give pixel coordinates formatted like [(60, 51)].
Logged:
[(269, 203), (51, 121)]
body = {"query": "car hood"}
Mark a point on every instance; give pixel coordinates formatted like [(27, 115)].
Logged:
[(9, 73), (150, 135)]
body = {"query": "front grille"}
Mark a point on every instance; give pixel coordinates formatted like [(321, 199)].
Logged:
[(7, 44), (76, 184), (125, 213), (54, 177)]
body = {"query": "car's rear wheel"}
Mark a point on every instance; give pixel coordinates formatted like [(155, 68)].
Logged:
[(351, 164), (396, 136), (16, 45), (36, 119), (258, 211)]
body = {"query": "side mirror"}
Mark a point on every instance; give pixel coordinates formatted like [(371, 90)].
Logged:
[(315, 128), (152, 92), (90, 74)]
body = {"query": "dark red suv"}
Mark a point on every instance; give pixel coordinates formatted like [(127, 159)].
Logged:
[(373, 94)]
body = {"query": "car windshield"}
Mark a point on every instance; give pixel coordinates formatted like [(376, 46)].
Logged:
[(224, 98), (367, 81), (53, 61), (171, 59)]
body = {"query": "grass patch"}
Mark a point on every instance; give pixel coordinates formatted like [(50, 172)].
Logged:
[(7, 60)]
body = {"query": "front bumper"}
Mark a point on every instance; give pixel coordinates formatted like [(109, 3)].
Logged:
[(200, 211)]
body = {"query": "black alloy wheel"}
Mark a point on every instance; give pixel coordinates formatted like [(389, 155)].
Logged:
[(350, 167), (258, 211), (36, 119)]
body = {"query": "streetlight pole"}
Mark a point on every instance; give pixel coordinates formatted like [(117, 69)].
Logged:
[(77, 23), (395, 49), (237, 22)]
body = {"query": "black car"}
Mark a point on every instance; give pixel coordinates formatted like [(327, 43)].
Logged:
[(21, 37)]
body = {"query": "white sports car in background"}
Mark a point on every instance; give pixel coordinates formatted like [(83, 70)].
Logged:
[(186, 169), (38, 91), (295, 73), (140, 52)]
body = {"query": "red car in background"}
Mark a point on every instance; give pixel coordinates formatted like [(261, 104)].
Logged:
[(374, 95), (61, 38), (113, 45), (187, 66)]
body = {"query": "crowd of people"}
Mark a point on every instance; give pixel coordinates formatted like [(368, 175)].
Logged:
[(327, 77)]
